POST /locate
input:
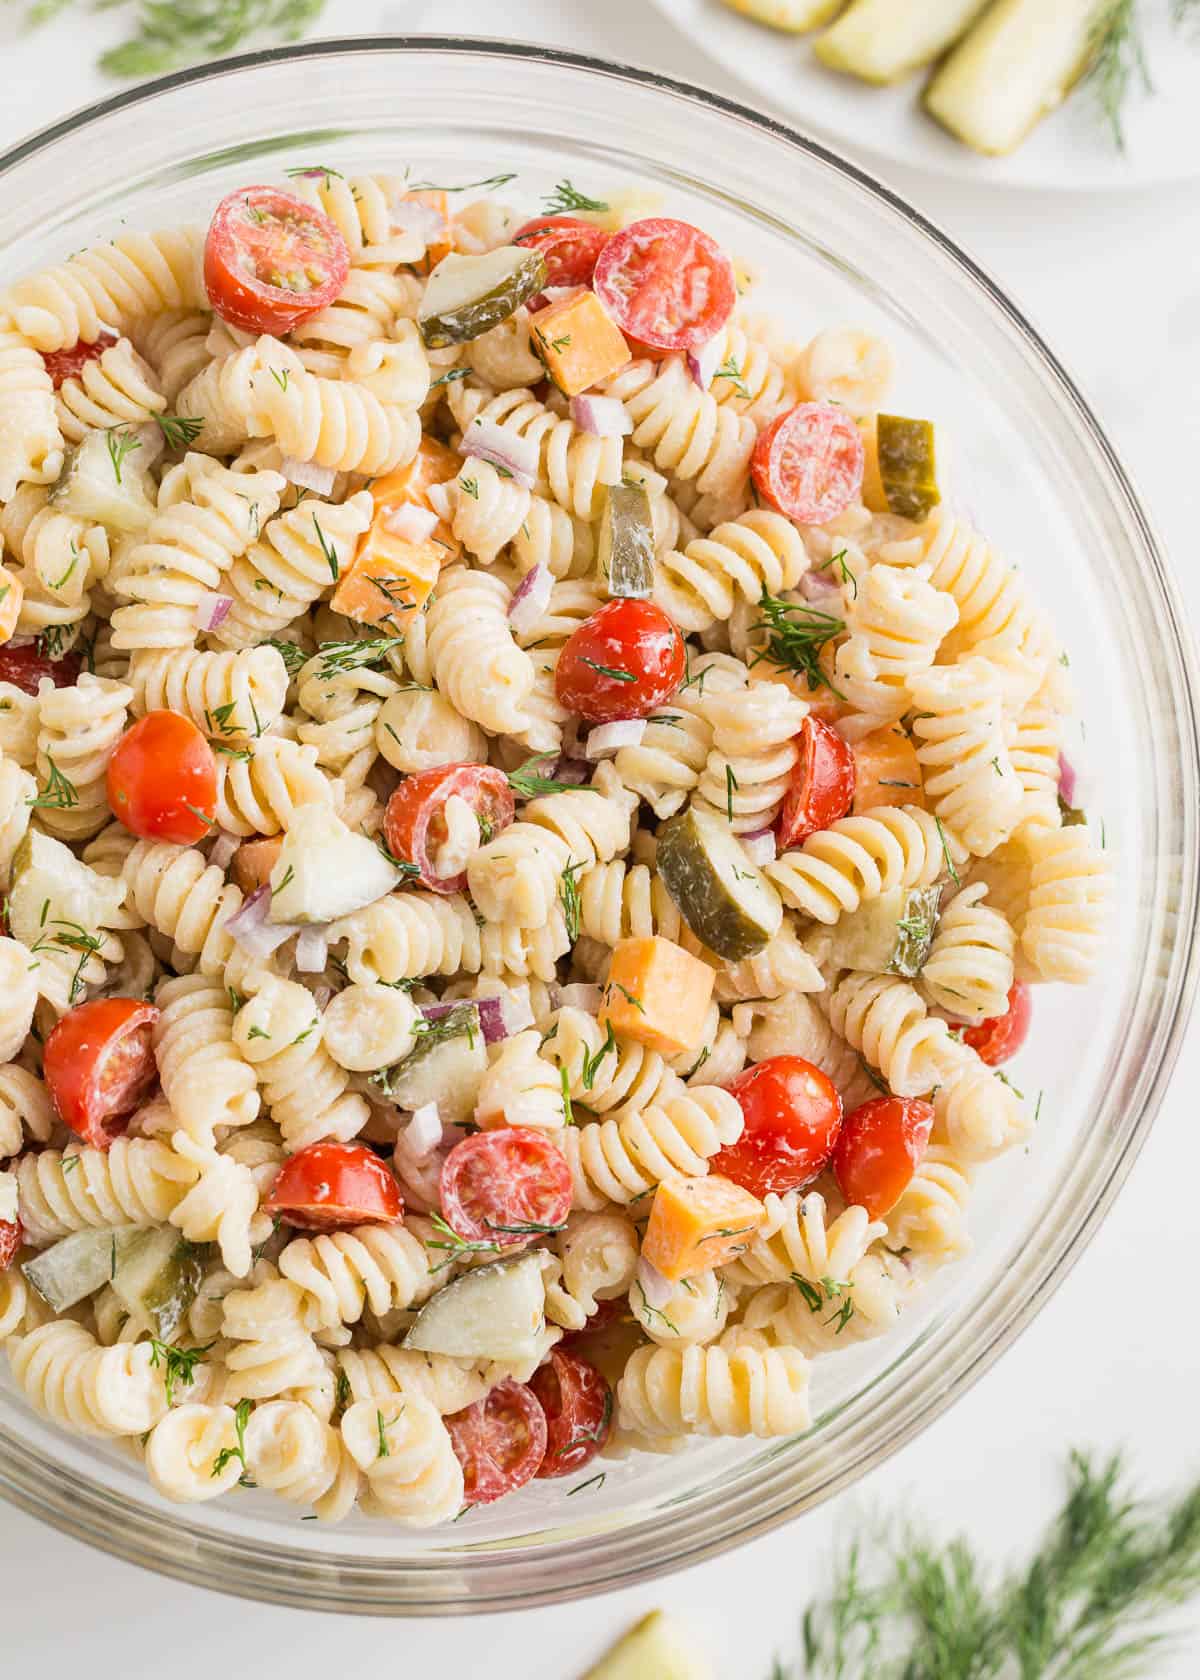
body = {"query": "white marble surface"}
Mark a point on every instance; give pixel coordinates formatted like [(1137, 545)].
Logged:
[(1114, 284)]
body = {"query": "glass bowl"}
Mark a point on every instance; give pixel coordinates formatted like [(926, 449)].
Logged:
[(1041, 478)]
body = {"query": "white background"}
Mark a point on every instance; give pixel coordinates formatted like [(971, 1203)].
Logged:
[(1113, 282)]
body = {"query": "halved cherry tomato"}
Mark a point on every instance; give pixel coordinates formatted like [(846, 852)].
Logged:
[(569, 245), (999, 1038), (99, 1064), (69, 363), (10, 1241), (329, 1185), (162, 780), (505, 1186), (881, 1145), (415, 825), (808, 464), (666, 283), (271, 261), (578, 1404), (822, 784), (622, 662), (793, 1116), (500, 1442), (25, 667)]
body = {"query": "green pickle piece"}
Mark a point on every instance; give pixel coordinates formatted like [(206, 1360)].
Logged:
[(78, 1265), (157, 1279), (890, 934), (657, 1648), (907, 465), (466, 296), (625, 546), (728, 904)]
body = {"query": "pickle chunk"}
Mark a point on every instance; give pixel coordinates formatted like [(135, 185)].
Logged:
[(882, 40), (625, 546), (728, 903), (466, 296), (890, 934), (900, 475), (656, 1649)]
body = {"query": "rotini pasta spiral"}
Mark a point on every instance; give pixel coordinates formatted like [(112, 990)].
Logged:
[(344, 1272), (739, 1385), (417, 1480), (418, 730), (274, 1349), (205, 1080), (896, 623), (573, 465), (995, 610), (279, 1032), (66, 1375), (193, 1453), (114, 285), (296, 1454), (614, 1077), (620, 900), (802, 1237), (261, 793), (336, 342), (190, 903), (847, 366), (220, 1206), (753, 754), (521, 1088), (598, 1256), (487, 511), (757, 553), (884, 1018), (333, 422), (1062, 935), (408, 935), (26, 1110), (550, 536), (18, 1000), (115, 388), (78, 728), (17, 790), (173, 344), (931, 1216), (749, 378), (978, 1114), (344, 706), (620, 1160), (969, 969), (1034, 741), (696, 1310), (690, 434), (959, 729), (835, 1315), (31, 444), (858, 858), (474, 659), (783, 965), (366, 211), (230, 696), (137, 1181)]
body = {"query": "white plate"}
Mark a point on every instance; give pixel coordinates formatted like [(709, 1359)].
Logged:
[(1070, 150)]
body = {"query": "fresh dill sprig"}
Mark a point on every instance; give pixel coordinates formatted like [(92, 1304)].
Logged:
[(354, 656), (59, 793), (1119, 61), (796, 636), (241, 1416), (527, 784), (179, 1365), (178, 430), (567, 197), (292, 654), (169, 34), (119, 445), (568, 892)]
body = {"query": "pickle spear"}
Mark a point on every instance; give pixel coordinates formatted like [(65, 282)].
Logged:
[(900, 469), (890, 934), (1014, 67), (793, 17), (882, 40), (625, 546), (468, 295), (728, 904), (157, 1279)]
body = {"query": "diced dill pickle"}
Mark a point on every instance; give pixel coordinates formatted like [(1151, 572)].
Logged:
[(625, 546), (1016, 65), (157, 1279), (468, 295), (890, 934), (1073, 816), (652, 1650), (79, 1265), (104, 479), (793, 17), (492, 1312), (55, 900), (728, 904), (900, 474), (445, 1066), (883, 40)]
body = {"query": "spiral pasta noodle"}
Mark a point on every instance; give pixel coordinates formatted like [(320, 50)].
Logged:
[(759, 552), (858, 858), (801, 1236), (738, 1385), (616, 1077), (696, 1310), (961, 746), (885, 1020), (521, 1088), (279, 1032), (409, 935), (231, 696), (931, 1216), (597, 1256), (115, 388), (754, 752), (620, 1160), (78, 728), (260, 789), (137, 1181), (487, 510), (207, 1083), (31, 444), (417, 1481), (969, 969), (896, 623), (573, 466), (690, 435), (1062, 934), (173, 343), (66, 1375), (448, 1384)]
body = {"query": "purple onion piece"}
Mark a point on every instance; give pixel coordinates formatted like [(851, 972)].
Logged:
[(1068, 778)]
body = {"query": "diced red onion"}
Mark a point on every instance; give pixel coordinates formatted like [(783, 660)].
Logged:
[(308, 475), (608, 738), (601, 416), (440, 500), (410, 522), (530, 599), (579, 996), (222, 849), (515, 455), (312, 949), (491, 1016), (703, 363), (1067, 780), (818, 585), (250, 929), (760, 848), (551, 295), (656, 1289), (211, 611), (423, 1134)]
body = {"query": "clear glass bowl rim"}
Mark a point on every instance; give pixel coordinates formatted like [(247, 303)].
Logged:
[(475, 1580)]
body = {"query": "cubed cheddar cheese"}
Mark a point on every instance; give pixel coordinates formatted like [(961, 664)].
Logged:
[(437, 248), (657, 994), (698, 1223), (887, 771), (12, 593), (433, 464), (391, 577), (253, 862), (578, 343)]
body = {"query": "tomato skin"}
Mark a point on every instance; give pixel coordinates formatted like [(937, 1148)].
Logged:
[(24, 667), (162, 780), (822, 784), (793, 1117), (260, 243), (998, 1039), (632, 637), (578, 1404), (495, 1183), (70, 363), (882, 1143), (569, 245), (665, 283), (500, 1442), (329, 1185), (414, 823), (808, 463), (98, 1065), (11, 1233)]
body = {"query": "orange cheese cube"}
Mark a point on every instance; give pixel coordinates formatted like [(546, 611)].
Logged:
[(698, 1223), (887, 771), (658, 995), (12, 593), (433, 464), (390, 578), (438, 247), (579, 344)]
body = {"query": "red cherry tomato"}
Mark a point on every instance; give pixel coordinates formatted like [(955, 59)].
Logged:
[(24, 667), (505, 1186), (271, 261), (999, 1038), (70, 363), (500, 1442), (578, 1404), (666, 283), (822, 786), (880, 1147), (569, 245), (414, 824), (10, 1241), (329, 1185), (808, 463), (622, 662), (162, 780), (99, 1064), (793, 1115)]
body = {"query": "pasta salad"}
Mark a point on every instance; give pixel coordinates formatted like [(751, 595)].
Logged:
[(529, 822)]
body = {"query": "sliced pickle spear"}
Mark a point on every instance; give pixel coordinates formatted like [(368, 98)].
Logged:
[(728, 903), (890, 934), (468, 295), (625, 546)]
